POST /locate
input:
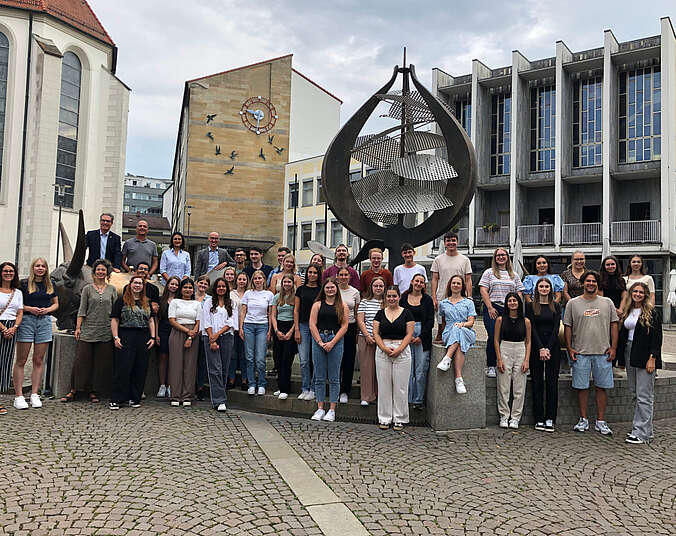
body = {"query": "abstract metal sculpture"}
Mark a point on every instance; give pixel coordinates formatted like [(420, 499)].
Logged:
[(401, 181)]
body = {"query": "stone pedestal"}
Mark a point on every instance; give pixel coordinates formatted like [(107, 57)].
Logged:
[(447, 410)]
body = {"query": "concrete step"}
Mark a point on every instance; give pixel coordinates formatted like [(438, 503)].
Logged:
[(273, 385)]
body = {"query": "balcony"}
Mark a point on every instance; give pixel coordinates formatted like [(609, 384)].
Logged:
[(498, 237), (536, 235), (581, 233), (463, 236), (635, 232)]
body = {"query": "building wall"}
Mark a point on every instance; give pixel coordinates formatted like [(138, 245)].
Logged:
[(144, 187)]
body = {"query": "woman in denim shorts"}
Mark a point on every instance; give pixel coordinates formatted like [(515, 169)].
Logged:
[(39, 302)]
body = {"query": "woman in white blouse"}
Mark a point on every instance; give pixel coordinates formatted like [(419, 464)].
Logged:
[(176, 260), (219, 318), (184, 317), (11, 314)]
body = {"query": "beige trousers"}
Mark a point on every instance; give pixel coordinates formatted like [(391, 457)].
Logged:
[(182, 364), (513, 354), (393, 376), (367, 369)]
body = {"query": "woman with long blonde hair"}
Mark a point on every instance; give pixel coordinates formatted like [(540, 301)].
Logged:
[(284, 327), (288, 268), (39, 302)]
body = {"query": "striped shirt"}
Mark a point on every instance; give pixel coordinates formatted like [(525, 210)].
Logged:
[(369, 308), (499, 288)]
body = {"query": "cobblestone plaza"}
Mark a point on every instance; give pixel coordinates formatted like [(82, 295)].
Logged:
[(80, 469)]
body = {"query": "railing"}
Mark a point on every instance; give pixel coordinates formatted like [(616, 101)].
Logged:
[(463, 236), (532, 235), (581, 233), (492, 238), (635, 232)]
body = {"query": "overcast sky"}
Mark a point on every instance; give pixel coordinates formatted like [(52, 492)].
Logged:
[(348, 47)]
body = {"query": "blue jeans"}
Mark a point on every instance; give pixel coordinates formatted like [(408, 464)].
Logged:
[(255, 336), (304, 354), (238, 360), (327, 364), (420, 364), (489, 324)]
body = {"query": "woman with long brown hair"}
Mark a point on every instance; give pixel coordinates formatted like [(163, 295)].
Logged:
[(133, 328), (350, 296), (372, 303), (240, 284), (11, 315), (163, 333), (636, 272)]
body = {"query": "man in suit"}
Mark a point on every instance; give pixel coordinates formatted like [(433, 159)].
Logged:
[(104, 244), (212, 257)]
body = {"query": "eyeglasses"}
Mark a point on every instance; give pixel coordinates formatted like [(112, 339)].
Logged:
[(106, 221)]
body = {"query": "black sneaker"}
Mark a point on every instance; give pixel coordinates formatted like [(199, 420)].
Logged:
[(134, 404), (634, 440), (540, 426), (113, 406)]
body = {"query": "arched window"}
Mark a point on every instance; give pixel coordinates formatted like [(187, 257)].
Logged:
[(4, 68), (69, 115)]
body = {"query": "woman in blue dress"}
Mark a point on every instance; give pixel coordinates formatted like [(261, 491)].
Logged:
[(458, 335), (542, 269)]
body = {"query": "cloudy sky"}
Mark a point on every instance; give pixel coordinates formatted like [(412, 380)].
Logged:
[(349, 47)]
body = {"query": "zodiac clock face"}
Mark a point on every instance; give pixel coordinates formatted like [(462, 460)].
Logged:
[(258, 114)]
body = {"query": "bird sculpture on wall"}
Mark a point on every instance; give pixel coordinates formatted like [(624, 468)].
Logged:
[(210, 136), (230, 171), (210, 118), (278, 149), (233, 155), (261, 155), (270, 138), (218, 150)]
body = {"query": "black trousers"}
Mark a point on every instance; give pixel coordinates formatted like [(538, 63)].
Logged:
[(349, 352), (130, 365), (286, 352), (544, 377)]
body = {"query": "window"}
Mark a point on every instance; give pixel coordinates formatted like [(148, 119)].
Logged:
[(293, 195), (308, 185), (291, 236), (639, 115), (320, 232), (542, 131), (639, 211), (336, 233), (501, 141), (350, 237), (69, 115), (306, 234), (320, 192), (591, 214), (587, 141), (463, 113), (355, 176), (4, 68), (546, 216)]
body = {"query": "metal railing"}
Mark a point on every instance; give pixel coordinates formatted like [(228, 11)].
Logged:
[(635, 232), (532, 235), (499, 237), (581, 233)]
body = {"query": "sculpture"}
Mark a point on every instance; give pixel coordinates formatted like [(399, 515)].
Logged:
[(401, 181)]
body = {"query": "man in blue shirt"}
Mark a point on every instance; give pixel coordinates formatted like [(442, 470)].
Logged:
[(212, 257)]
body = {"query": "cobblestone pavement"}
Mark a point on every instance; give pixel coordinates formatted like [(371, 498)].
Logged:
[(81, 469)]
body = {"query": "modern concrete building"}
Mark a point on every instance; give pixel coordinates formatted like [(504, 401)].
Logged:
[(575, 151), (63, 121), (144, 194)]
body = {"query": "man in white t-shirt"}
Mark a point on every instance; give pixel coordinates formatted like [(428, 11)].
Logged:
[(404, 272), (445, 266)]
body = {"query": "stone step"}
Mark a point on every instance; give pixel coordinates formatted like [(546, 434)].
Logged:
[(273, 385)]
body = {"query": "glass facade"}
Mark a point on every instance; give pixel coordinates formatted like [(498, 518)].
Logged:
[(336, 233), (320, 191), (69, 114), (463, 113), (308, 186), (293, 195), (639, 115), (501, 139), (306, 234), (587, 124), (542, 128), (4, 67)]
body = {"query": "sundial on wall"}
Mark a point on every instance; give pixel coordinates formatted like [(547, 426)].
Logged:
[(258, 114)]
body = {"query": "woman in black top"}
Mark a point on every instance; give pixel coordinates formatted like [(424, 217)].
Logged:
[(640, 349), (545, 356), (305, 296), (393, 332), (163, 332), (422, 307), (133, 328), (512, 346), (613, 285)]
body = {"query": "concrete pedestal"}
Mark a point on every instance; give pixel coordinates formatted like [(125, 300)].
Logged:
[(447, 410)]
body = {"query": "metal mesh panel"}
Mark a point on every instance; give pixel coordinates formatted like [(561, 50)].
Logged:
[(416, 109), (423, 167), (406, 199), (379, 152)]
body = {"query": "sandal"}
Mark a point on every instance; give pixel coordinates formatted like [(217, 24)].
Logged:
[(93, 398), (3, 410), (69, 397)]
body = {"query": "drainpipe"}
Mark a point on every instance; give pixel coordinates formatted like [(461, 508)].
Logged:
[(23, 143)]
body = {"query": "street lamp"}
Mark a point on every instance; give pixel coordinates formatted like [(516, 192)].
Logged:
[(60, 195), (188, 207)]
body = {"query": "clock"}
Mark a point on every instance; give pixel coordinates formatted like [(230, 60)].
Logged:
[(258, 114)]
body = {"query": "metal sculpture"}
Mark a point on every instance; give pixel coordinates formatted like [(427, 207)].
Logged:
[(401, 181)]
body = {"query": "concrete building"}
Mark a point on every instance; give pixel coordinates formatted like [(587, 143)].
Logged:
[(63, 120), (144, 194), (577, 150), (238, 129)]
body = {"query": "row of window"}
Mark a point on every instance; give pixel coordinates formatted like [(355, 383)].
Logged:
[(144, 197), (296, 241)]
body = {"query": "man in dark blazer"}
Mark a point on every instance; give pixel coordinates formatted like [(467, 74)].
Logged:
[(104, 244), (212, 257)]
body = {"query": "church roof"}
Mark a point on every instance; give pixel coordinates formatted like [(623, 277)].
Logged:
[(75, 13)]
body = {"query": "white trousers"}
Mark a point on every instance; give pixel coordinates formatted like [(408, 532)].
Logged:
[(513, 354), (393, 376)]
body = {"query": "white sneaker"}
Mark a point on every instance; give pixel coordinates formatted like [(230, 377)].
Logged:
[(504, 422), (582, 425), (491, 372), (514, 424), (276, 393), (162, 392), (168, 392), (460, 386), (342, 399), (283, 396), (251, 391), (20, 403), (221, 407), (601, 426), (444, 364), (330, 416), (364, 403), (310, 395), (175, 403), (261, 391), (302, 395), (187, 403), (318, 415), (35, 400)]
